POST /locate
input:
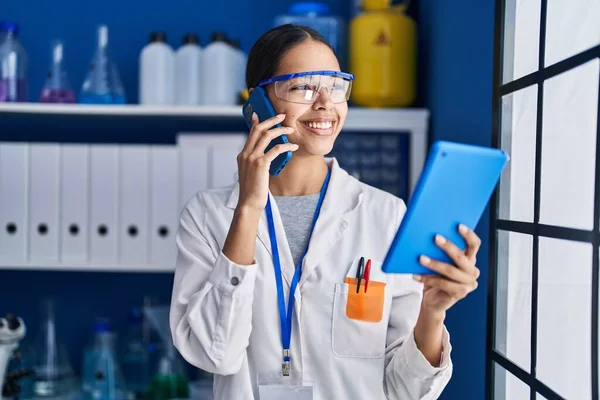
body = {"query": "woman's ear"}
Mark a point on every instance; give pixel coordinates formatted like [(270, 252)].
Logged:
[(250, 91)]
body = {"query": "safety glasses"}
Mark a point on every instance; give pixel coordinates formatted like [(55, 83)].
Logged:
[(305, 87)]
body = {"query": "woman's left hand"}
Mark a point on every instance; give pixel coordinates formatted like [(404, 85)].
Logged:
[(454, 282)]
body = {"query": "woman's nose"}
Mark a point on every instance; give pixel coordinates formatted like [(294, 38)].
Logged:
[(323, 101)]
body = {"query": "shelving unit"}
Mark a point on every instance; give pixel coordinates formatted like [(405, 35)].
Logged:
[(175, 130), (380, 120), (162, 124)]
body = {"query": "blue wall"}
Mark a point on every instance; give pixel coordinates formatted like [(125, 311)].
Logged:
[(130, 23), (456, 41), (458, 61)]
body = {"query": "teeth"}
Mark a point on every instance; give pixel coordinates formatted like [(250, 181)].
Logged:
[(319, 125)]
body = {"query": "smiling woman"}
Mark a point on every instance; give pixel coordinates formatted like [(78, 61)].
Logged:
[(316, 115), (269, 279), (304, 88)]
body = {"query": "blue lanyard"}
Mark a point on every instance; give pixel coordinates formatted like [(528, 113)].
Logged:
[(286, 318)]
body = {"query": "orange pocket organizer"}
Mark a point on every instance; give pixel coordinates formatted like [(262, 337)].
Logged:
[(367, 306)]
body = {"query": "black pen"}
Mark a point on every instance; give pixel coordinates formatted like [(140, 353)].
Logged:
[(359, 272)]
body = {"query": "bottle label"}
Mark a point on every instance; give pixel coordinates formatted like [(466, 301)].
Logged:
[(382, 39)]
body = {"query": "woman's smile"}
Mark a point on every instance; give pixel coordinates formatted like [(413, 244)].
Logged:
[(319, 126)]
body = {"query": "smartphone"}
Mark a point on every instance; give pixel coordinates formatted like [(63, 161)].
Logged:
[(259, 103)]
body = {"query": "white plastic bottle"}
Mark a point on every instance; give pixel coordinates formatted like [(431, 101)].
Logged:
[(241, 60), (13, 64), (157, 64), (188, 68), (219, 71)]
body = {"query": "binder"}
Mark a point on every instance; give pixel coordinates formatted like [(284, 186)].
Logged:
[(14, 201), (224, 152), (134, 204), (164, 205), (44, 169), (193, 168), (104, 162), (74, 221)]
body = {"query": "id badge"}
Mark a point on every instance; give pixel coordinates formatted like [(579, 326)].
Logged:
[(274, 386)]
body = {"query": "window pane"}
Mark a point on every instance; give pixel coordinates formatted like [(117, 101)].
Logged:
[(569, 148), (509, 387), (519, 115), (564, 317), (521, 38), (572, 26), (513, 298)]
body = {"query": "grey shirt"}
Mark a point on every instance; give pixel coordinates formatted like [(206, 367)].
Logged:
[(297, 213)]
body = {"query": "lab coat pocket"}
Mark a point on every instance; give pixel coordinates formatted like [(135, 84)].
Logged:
[(362, 305), (359, 326)]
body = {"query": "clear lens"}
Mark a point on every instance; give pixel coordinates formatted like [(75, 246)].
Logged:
[(306, 89)]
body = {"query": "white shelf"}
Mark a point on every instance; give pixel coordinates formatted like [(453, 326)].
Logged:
[(410, 120), (47, 266), (127, 109)]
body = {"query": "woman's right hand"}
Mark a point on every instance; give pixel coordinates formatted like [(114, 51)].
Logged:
[(253, 163)]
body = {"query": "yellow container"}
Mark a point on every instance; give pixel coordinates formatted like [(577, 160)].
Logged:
[(383, 56)]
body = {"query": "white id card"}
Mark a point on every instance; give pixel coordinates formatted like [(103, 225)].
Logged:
[(274, 386)]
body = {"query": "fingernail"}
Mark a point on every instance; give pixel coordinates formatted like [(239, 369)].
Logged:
[(281, 116), (417, 278), (425, 260), (439, 239), (254, 115), (295, 146), (463, 229), (290, 129)]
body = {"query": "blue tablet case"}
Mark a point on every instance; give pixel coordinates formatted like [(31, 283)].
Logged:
[(455, 187)]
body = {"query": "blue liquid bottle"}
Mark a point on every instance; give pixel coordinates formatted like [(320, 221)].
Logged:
[(317, 15), (108, 383), (135, 358), (101, 327), (103, 83)]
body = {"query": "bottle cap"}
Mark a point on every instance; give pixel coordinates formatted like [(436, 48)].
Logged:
[(9, 26), (190, 38), (101, 325), (135, 316), (376, 4), (219, 37), (158, 36), (309, 7)]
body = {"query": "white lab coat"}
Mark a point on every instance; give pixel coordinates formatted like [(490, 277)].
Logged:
[(224, 317)]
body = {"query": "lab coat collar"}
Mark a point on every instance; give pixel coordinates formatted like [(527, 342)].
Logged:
[(340, 180), (344, 194)]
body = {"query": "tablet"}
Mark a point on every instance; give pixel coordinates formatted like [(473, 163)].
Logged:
[(455, 187)]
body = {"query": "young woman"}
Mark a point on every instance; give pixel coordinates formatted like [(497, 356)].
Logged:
[(264, 292)]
